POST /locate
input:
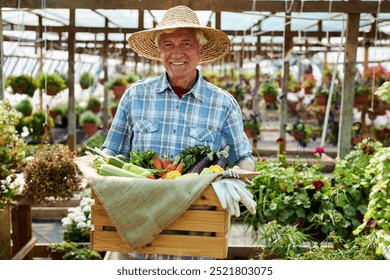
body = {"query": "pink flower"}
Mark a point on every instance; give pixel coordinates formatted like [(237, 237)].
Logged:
[(318, 151), (318, 184)]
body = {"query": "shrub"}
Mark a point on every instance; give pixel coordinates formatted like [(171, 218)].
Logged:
[(51, 173)]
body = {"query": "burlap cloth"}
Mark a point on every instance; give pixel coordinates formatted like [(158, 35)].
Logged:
[(141, 208)]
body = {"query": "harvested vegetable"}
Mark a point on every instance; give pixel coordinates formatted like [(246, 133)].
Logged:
[(216, 169), (115, 161), (205, 162), (136, 169), (172, 175), (191, 155), (111, 170), (143, 159)]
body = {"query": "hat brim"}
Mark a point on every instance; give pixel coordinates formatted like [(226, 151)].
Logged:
[(219, 44)]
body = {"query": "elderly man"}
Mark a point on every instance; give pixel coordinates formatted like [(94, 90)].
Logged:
[(179, 108)]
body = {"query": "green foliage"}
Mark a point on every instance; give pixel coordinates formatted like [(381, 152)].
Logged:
[(252, 121), (82, 254), (118, 81), (25, 107), (95, 140), (384, 92), (62, 247), (93, 101), (131, 78), (35, 123), (51, 173), (89, 117), (23, 84), (12, 153), (53, 82), (62, 110), (270, 87), (86, 80)]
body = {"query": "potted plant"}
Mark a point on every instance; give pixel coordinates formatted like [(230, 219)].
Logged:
[(113, 108), (84, 253), (252, 124), (36, 125), (86, 80), (58, 250), (90, 122), (321, 96), (362, 94), (94, 104), (52, 83), (51, 173), (132, 78), (25, 107), (118, 85), (308, 83), (269, 90), (301, 132), (23, 84)]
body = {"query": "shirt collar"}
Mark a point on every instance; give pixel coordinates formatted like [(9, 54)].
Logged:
[(163, 84)]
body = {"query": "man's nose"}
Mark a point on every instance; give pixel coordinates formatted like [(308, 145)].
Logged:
[(177, 50)]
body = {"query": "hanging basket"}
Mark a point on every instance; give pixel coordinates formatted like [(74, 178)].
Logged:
[(118, 91), (51, 92), (90, 129)]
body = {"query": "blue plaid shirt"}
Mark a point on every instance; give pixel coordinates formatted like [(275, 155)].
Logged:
[(151, 116)]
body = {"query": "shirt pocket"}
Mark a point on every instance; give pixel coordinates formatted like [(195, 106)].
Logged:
[(202, 134), (145, 126)]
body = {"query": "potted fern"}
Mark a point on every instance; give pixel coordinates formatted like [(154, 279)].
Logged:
[(94, 104), (86, 80), (23, 84), (52, 83), (90, 122)]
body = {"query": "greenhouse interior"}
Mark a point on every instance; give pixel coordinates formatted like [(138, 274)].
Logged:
[(305, 89)]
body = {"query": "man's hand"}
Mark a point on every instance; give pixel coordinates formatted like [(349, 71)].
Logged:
[(232, 191)]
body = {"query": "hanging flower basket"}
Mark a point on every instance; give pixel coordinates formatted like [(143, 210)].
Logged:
[(250, 132), (322, 100), (361, 100)]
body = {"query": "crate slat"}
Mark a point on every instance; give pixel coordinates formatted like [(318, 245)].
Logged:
[(184, 245), (200, 231)]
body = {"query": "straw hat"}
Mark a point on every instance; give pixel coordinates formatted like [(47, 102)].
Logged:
[(143, 42)]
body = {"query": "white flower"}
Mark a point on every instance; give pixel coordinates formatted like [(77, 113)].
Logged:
[(81, 225), (66, 221)]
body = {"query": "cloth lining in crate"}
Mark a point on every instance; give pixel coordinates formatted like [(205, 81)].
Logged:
[(141, 208)]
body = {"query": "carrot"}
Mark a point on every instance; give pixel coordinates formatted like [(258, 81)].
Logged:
[(170, 168), (157, 163), (151, 176), (180, 167), (166, 162)]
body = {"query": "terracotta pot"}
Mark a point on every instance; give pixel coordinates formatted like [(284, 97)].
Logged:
[(53, 114), (250, 133), (113, 112), (322, 100), (118, 91), (269, 98), (96, 108), (90, 128), (51, 92), (361, 100), (308, 90)]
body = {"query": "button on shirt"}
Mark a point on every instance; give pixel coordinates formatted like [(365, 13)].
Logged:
[(151, 116)]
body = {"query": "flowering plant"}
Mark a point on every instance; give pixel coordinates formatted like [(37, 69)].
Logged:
[(253, 122), (377, 73), (78, 222), (12, 153), (308, 81)]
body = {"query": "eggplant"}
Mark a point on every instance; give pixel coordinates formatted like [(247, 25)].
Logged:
[(223, 157), (203, 163)]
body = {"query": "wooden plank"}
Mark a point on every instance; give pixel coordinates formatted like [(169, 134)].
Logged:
[(179, 245), (5, 234), (214, 5), (25, 250), (21, 228), (191, 220)]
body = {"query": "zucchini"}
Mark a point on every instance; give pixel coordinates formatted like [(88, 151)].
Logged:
[(123, 158), (111, 170), (136, 169), (115, 161)]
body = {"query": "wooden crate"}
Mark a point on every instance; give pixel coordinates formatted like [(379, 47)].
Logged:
[(202, 230)]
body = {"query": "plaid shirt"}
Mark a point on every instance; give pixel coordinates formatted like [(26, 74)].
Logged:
[(151, 116)]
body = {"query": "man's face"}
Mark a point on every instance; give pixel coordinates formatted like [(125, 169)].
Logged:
[(180, 53)]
